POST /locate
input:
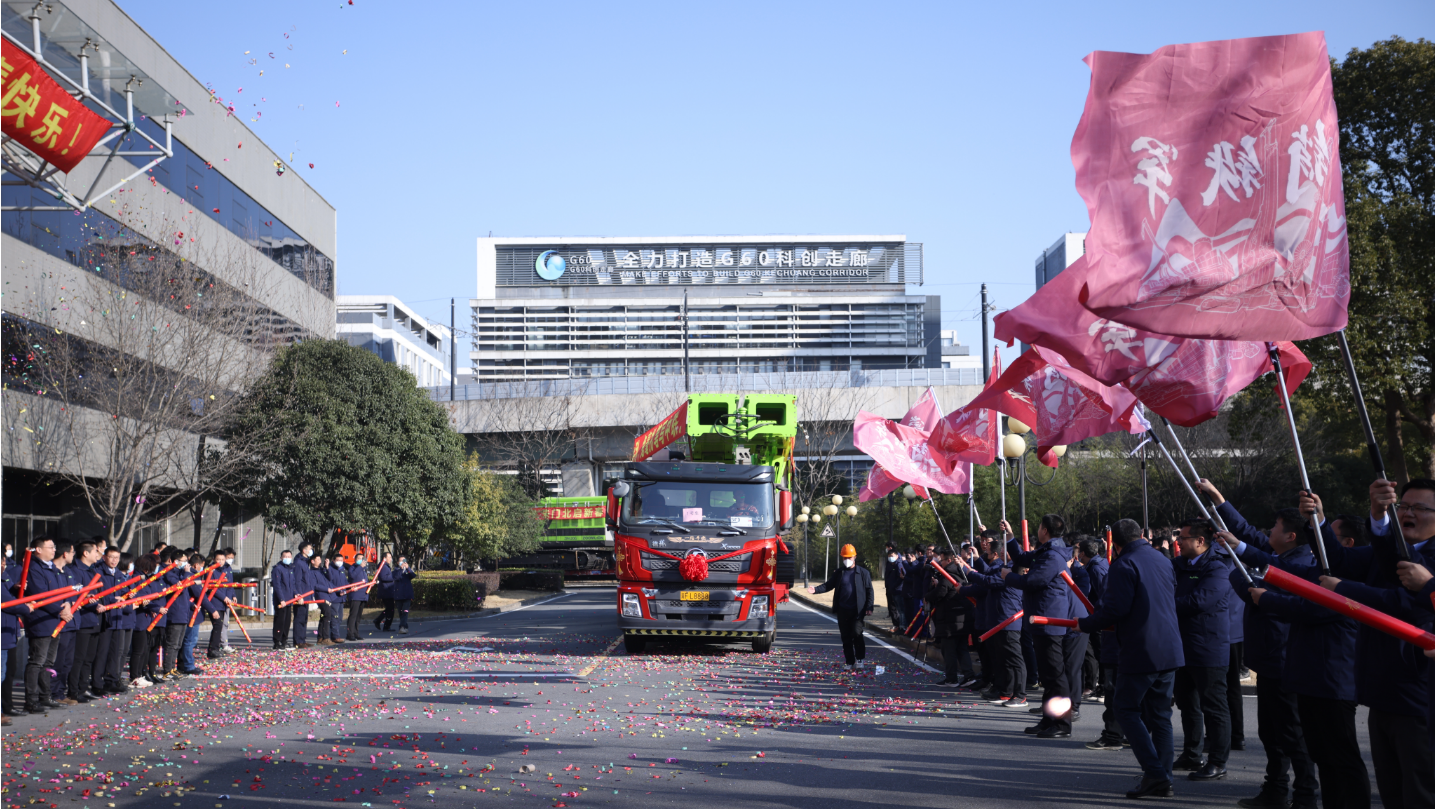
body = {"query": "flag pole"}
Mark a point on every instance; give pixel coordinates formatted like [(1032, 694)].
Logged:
[(1215, 515), (1316, 539), (1402, 549), (1156, 438), (940, 523)]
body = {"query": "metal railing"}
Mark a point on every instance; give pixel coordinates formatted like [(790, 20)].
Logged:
[(709, 383)]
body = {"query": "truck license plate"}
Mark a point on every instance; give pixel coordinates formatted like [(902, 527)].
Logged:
[(694, 595)]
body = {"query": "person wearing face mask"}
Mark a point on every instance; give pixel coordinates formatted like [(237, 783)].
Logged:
[(282, 580), (852, 603), (384, 590), (319, 582), (227, 596), (107, 647), (338, 577), (216, 607), (892, 584), (358, 596), (403, 590)]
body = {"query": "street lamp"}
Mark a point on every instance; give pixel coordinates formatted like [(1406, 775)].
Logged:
[(833, 509), (804, 518)]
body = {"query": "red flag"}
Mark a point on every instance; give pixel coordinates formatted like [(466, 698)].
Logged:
[(879, 484), (42, 116), (1189, 387), (1061, 404), (920, 416), (902, 453), (967, 434), (1211, 173)]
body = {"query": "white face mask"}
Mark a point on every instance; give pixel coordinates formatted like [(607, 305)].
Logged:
[(308, 553), (848, 562), (891, 558), (287, 560)]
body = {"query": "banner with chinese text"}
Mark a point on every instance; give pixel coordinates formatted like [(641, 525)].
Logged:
[(667, 431), (40, 115), (570, 512)]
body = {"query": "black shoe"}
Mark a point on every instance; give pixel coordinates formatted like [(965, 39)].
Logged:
[(1104, 743), (1210, 772), (30, 708), (1035, 729), (378, 626), (1075, 715), (1151, 788), (1054, 732), (1188, 763), (1238, 744), (53, 705), (16, 710), (1265, 799), (1035, 710)]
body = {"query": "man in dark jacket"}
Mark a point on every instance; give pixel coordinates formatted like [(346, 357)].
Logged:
[(1008, 666), (39, 625), (1046, 594), (338, 577), (1319, 667), (1140, 599), (951, 619), (1277, 711), (358, 596), (1391, 676), (892, 584), (852, 602), (282, 580), (403, 590), (1202, 592)]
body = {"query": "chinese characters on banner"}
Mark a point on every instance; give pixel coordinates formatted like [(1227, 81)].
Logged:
[(41, 116), (1211, 172), (569, 512), (667, 431)]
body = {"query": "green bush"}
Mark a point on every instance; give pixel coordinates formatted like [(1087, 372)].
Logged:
[(530, 580), (444, 593)]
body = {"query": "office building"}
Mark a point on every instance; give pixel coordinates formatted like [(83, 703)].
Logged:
[(387, 327), (1061, 254), (559, 308), (241, 239)]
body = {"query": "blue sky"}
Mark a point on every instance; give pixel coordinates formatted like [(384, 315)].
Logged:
[(948, 122)]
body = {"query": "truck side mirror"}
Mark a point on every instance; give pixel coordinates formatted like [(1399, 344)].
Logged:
[(784, 509), (610, 509)]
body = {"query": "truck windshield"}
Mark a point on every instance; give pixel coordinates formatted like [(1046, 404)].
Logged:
[(735, 505)]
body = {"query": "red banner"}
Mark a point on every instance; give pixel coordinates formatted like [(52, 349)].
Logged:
[(570, 512), (670, 429), (44, 118)]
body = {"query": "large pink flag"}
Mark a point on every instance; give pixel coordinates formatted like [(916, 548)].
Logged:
[(1211, 172), (924, 413), (967, 435), (1061, 404), (1189, 387), (902, 453)]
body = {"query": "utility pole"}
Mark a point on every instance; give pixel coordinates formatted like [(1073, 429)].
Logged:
[(687, 378), (452, 348), (986, 349)]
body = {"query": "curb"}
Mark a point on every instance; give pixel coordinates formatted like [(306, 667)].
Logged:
[(929, 653), (480, 614)]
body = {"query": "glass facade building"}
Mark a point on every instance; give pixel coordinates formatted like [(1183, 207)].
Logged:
[(556, 309)]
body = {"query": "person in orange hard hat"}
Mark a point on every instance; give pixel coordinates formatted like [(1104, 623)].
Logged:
[(852, 601)]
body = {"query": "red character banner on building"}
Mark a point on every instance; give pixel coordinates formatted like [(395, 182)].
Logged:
[(41, 116), (1211, 172)]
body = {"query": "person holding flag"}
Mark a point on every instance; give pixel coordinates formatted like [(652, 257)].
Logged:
[(1045, 593)]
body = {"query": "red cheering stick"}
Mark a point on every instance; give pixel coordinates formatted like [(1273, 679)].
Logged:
[(86, 600), (167, 605), (376, 575), (246, 607), (73, 592), (197, 604), (297, 599), (1085, 602), (1371, 618), (67, 589), (177, 586), (1042, 620), (1003, 625), (241, 624), (1108, 546), (137, 587), (945, 574), (25, 574), (1025, 542)]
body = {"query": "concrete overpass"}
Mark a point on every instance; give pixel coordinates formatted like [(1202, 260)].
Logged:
[(584, 425)]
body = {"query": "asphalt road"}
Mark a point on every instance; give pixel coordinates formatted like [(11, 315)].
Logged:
[(448, 716)]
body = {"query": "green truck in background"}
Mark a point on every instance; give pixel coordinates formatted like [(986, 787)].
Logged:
[(575, 541)]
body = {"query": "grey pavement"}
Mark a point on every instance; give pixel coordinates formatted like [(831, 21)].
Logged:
[(448, 716)]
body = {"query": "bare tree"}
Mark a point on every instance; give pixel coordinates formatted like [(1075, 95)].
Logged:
[(135, 363), (526, 433)]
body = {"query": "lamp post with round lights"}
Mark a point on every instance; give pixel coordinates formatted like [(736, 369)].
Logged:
[(1015, 446), (805, 517)]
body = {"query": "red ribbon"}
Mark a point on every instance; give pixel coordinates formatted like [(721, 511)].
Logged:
[(692, 569)]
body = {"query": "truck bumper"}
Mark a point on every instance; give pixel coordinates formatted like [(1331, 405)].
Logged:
[(648, 627)]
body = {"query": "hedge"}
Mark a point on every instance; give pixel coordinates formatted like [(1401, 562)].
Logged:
[(530, 580), (453, 590)]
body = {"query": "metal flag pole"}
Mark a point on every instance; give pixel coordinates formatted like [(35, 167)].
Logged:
[(1402, 549), (1005, 555), (1195, 476), (1316, 540), (1155, 438), (940, 523)]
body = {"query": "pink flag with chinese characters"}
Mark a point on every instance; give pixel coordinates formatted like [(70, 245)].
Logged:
[(1189, 387), (1061, 404), (920, 416), (1211, 172), (967, 435), (902, 453)]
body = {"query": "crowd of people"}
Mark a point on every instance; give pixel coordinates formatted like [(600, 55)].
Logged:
[(124, 621), (1169, 620)]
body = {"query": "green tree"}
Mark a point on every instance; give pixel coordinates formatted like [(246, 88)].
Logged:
[(497, 520), (1387, 152), (336, 438)]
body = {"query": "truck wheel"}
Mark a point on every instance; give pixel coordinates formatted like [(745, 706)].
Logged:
[(634, 644), (763, 645)]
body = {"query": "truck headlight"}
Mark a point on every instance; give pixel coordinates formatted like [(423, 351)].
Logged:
[(631, 605), (759, 606)]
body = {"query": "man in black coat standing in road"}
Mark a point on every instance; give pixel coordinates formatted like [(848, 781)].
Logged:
[(852, 602)]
